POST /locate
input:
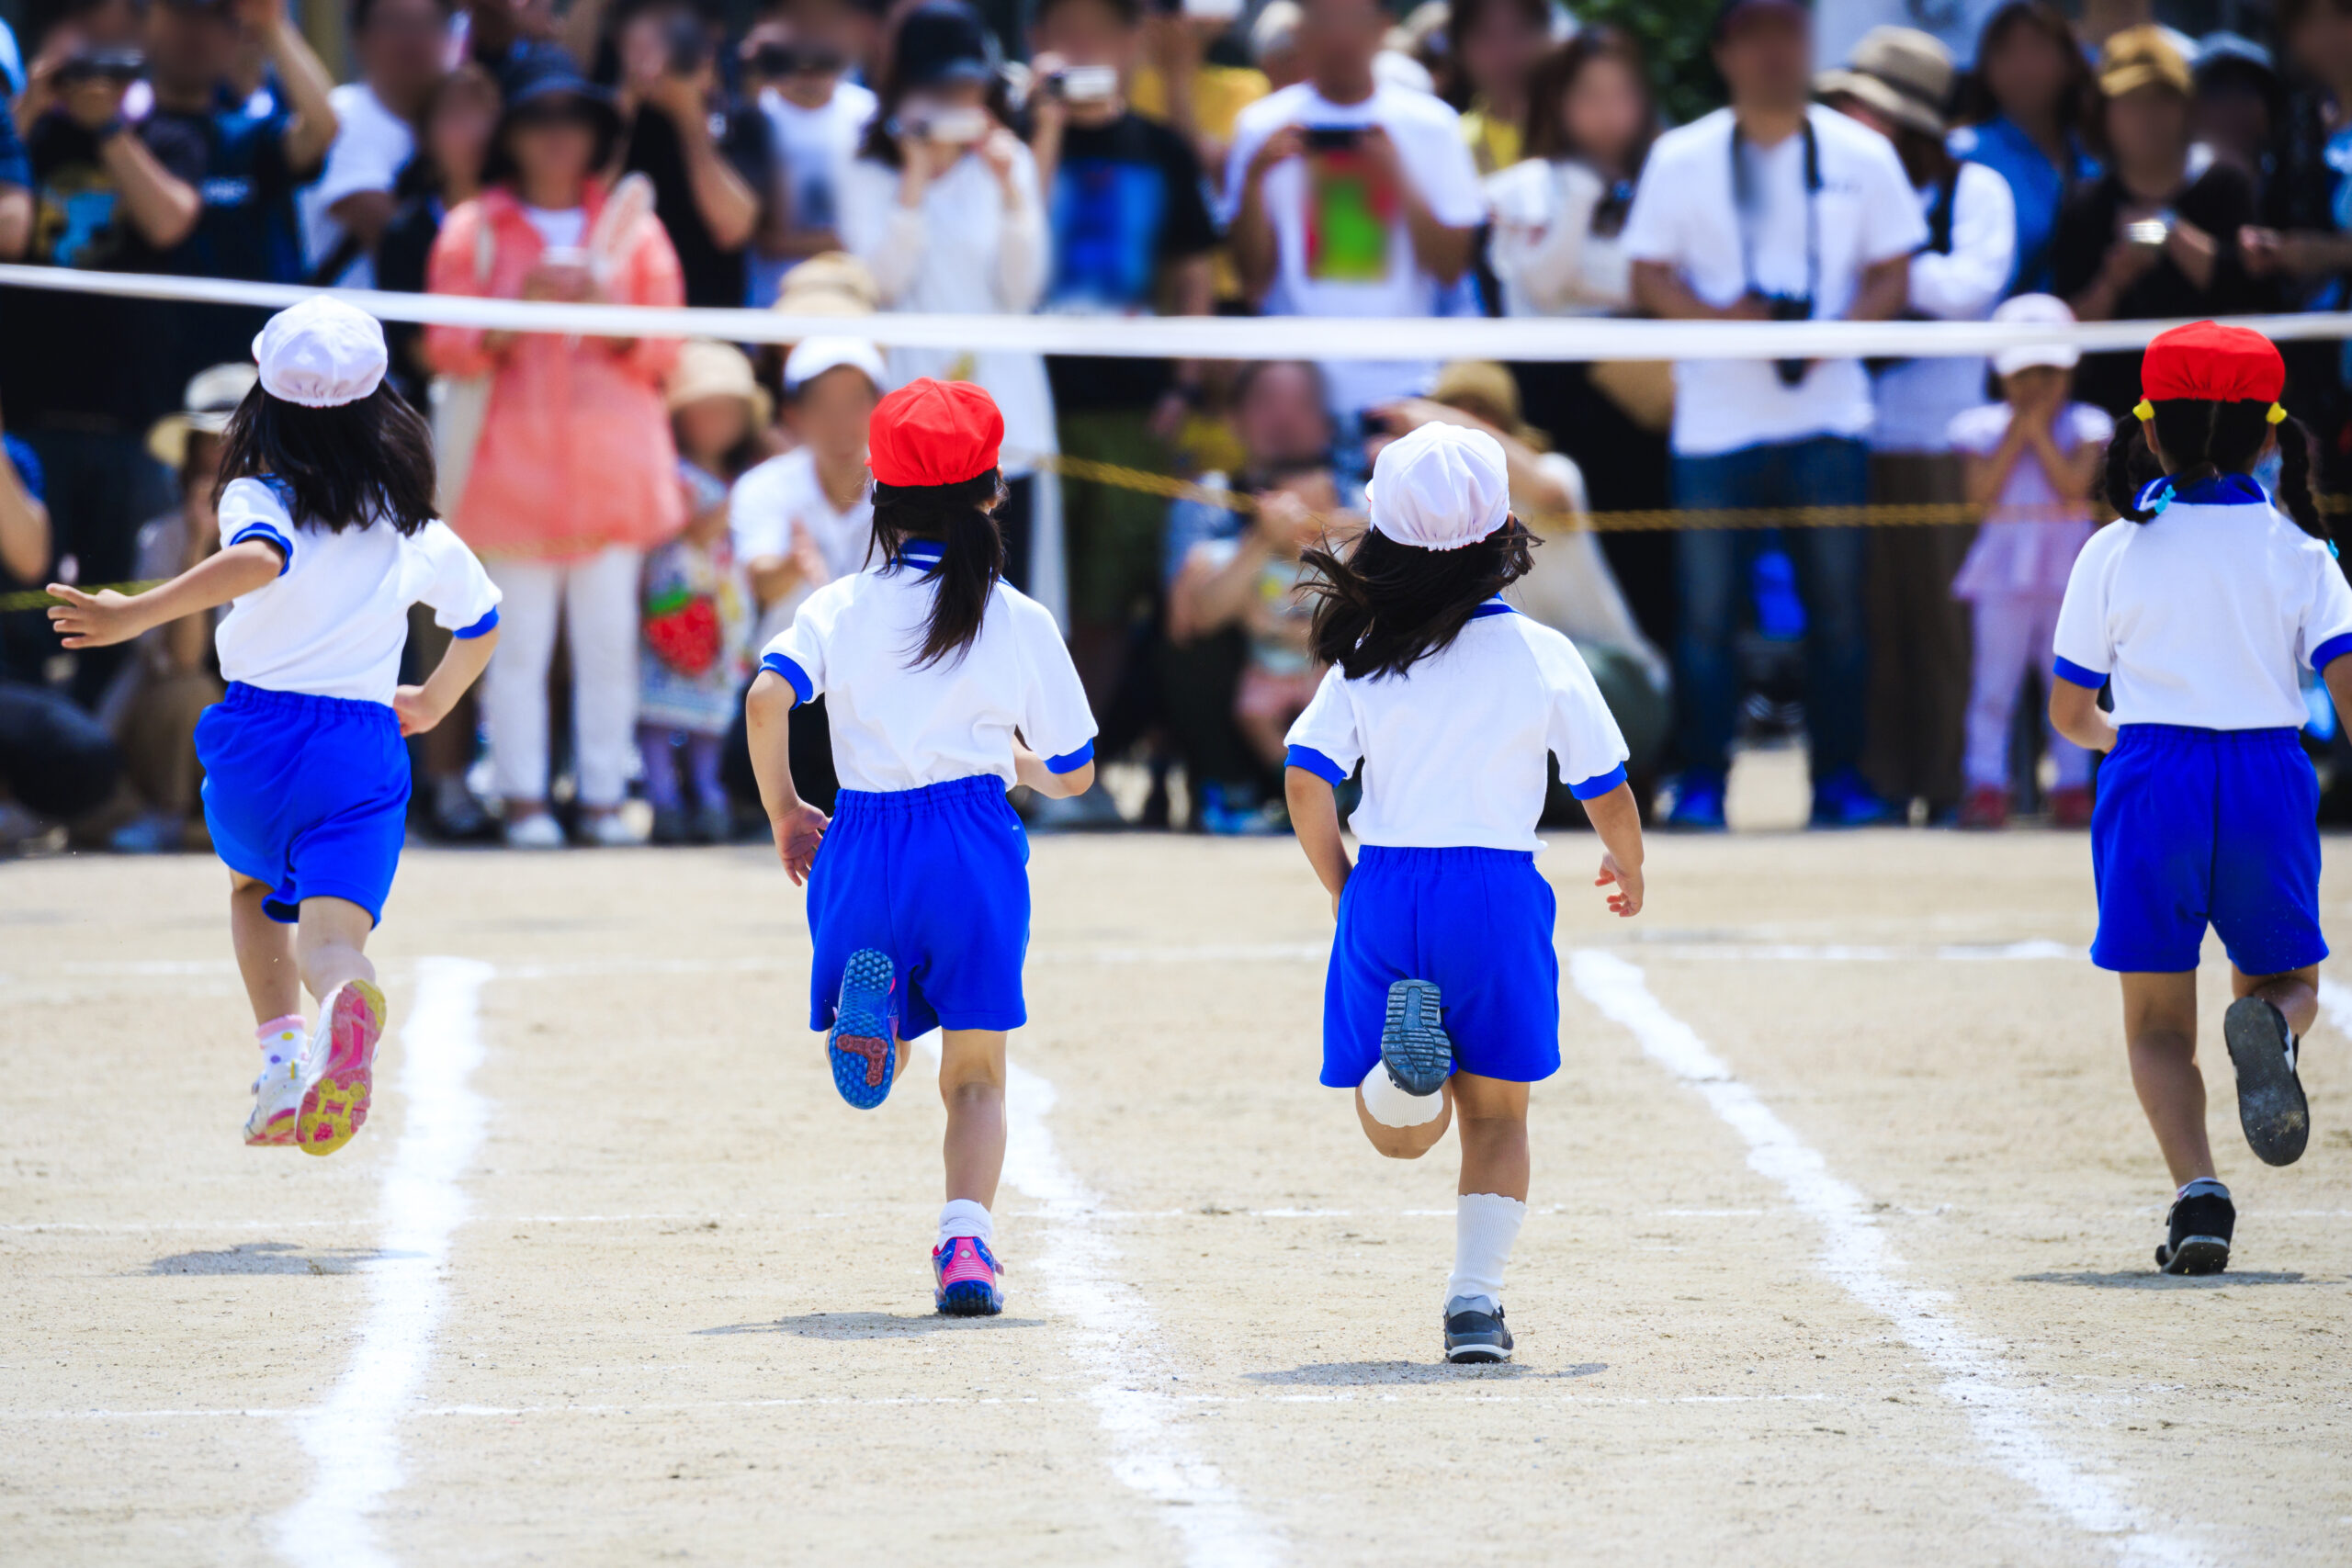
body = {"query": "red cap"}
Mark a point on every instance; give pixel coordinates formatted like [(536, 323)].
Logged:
[(2212, 364), (933, 432)]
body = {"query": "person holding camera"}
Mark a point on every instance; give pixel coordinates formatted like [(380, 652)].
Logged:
[(401, 46), (796, 69), (1771, 209)]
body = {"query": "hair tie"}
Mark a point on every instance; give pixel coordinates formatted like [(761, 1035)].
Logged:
[(2143, 410), (2278, 415)]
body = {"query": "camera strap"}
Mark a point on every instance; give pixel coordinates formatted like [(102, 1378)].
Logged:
[(1740, 200)]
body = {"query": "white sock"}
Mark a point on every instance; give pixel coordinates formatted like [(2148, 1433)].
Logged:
[(1485, 1225), (1392, 1107), (965, 1216)]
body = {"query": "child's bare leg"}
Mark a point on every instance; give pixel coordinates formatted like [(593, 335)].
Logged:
[(1491, 1208), (264, 951), (328, 944), (1492, 1114), (971, 1083), (2295, 994), (2160, 1028)]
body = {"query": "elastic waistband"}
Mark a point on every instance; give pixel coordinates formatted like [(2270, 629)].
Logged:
[(2193, 735), (262, 699), (939, 796), (1389, 858)]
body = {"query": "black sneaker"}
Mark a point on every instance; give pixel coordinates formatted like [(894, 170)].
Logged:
[(1472, 1336), (2271, 1108), (1413, 1043), (2202, 1220)]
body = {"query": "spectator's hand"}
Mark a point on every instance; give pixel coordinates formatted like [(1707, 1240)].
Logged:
[(91, 620), (1048, 110), (2263, 250), (2191, 248), (94, 101), (1379, 150), (680, 97), (1627, 902), (2127, 263), (569, 282), (807, 560), (1001, 149), (257, 17), (416, 711), (1288, 142), (799, 831)]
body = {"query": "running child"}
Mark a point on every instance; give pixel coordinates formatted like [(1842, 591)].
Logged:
[(945, 687), (1443, 995), (325, 502), (2198, 611)]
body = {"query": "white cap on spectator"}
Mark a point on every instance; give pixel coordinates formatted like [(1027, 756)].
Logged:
[(320, 354), (2035, 310), (811, 357), (1441, 488)]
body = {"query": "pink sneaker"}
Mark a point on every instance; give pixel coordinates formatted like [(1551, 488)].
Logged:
[(343, 1053), (970, 1284)]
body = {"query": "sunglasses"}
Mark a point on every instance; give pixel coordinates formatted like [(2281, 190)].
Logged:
[(566, 111)]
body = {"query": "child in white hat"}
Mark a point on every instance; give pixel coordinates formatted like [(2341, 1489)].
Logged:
[(2031, 460), (328, 537), (1444, 992)]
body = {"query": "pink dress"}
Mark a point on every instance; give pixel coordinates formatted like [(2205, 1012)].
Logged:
[(2022, 547)]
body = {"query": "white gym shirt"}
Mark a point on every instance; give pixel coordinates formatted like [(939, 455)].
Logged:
[(1454, 750), (897, 727), (2205, 615), (335, 619)]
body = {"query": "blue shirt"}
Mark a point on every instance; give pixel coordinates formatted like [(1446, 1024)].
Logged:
[(2038, 185), (16, 165)]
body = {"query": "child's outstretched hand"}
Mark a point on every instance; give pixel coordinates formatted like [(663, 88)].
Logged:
[(1627, 900), (92, 620), (799, 830)]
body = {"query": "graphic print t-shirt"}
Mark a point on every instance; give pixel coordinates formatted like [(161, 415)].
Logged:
[(1128, 201)]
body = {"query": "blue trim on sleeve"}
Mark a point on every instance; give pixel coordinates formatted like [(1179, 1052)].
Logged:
[(1599, 785), (264, 531), (802, 687), (2330, 650), (1308, 760), (2068, 671), (1071, 761), (482, 627)]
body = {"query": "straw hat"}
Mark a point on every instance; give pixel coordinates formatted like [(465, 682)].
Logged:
[(2141, 57), (1482, 387), (1901, 73), (211, 397), (832, 283), (711, 369)]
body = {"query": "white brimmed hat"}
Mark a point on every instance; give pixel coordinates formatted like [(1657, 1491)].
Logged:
[(320, 354), (1441, 488), (211, 397), (811, 357), (2036, 309)]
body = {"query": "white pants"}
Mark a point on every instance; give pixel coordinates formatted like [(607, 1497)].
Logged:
[(2013, 635), (594, 598)]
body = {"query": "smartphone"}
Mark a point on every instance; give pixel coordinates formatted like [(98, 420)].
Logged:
[(2147, 232), (1333, 138)]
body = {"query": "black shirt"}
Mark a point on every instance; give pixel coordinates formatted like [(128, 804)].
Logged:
[(2219, 202), (713, 276), (1127, 202)]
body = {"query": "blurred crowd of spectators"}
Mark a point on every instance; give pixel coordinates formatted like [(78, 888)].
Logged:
[(654, 508)]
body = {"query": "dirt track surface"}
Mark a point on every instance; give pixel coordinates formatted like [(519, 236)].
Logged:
[(1873, 1286)]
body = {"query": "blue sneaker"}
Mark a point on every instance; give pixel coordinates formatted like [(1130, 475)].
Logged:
[(1698, 804), (1843, 800), (864, 1045), (1414, 1045), (970, 1283)]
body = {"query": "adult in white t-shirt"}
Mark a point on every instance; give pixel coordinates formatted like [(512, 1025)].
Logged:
[(1771, 208), (401, 46), (815, 118), (1348, 197)]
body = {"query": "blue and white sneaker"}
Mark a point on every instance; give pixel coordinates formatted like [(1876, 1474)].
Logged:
[(1698, 804), (969, 1283), (865, 1046), (1414, 1045)]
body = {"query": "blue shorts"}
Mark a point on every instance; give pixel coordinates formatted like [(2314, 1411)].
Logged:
[(938, 878), (306, 795), (1474, 922), (2198, 825)]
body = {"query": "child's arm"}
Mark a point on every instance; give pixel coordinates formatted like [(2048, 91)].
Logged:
[(2338, 676), (105, 618), (1315, 817), (1618, 821), (1987, 473), (2074, 711), (1029, 768), (462, 662), (798, 827)]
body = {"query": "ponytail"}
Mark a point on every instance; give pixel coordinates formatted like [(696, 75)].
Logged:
[(962, 519), (2206, 440), (2295, 478)]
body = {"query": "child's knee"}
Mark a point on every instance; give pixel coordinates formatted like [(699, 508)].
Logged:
[(1404, 1143)]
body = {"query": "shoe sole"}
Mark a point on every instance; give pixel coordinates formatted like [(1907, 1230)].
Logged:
[(863, 1045), (2271, 1106), (1414, 1045), (2195, 1255), (1477, 1354), (970, 1298), (335, 1105), (279, 1133)]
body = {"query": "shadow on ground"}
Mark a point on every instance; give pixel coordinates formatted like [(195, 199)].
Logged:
[(1361, 1374), (2148, 1279), (871, 1324), (271, 1257)]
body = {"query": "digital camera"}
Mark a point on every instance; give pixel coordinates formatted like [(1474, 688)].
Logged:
[(1789, 307)]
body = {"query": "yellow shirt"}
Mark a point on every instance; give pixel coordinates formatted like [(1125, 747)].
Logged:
[(1220, 94), (1494, 143)]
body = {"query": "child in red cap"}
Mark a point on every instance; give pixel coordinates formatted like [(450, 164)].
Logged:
[(945, 687), (2199, 612)]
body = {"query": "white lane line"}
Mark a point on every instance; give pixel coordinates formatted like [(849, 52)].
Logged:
[(2336, 1001), (2037, 950), (353, 1437), (2004, 1416)]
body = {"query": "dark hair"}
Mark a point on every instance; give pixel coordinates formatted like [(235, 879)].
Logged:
[(1555, 77), (1386, 606), (1129, 12), (1465, 14), (881, 140), (2206, 440), (341, 468), (962, 518), (2078, 105), (364, 11), (423, 173)]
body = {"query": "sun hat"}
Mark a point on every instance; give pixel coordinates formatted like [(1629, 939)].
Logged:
[(831, 283), (1441, 487), (2141, 57), (811, 357), (933, 432), (2040, 310), (1901, 73), (1483, 388), (2211, 363), (707, 368), (211, 397), (320, 354)]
